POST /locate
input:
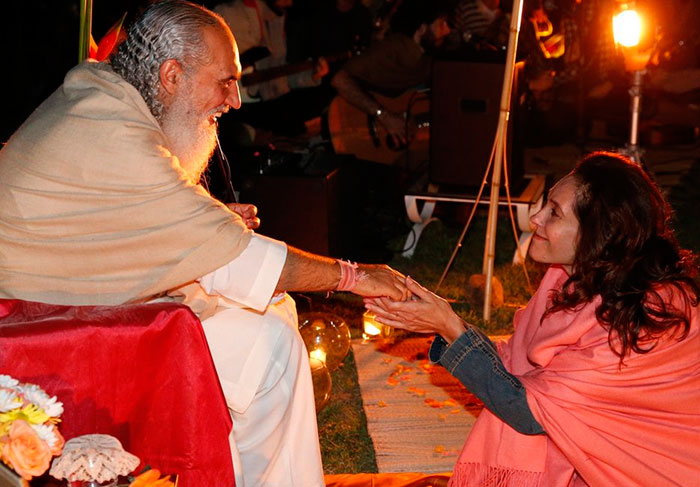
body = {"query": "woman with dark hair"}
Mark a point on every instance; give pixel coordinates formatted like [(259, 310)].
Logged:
[(600, 383)]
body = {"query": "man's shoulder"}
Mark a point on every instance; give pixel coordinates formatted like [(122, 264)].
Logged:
[(95, 91), (397, 39), (92, 120), (394, 45), (93, 78), (394, 50)]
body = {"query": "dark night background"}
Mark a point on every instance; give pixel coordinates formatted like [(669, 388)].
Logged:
[(39, 44)]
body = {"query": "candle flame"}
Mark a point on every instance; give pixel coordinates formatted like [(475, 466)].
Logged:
[(369, 325), (318, 354)]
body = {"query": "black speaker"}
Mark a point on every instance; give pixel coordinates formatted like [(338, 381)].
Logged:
[(465, 105), (298, 198)]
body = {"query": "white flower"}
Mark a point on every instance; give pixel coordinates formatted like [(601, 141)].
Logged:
[(9, 400), (36, 395), (52, 407), (7, 381), (33, 393), (46, 433)]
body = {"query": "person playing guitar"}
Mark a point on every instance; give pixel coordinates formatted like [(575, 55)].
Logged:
[(277, 101), (394, 65)]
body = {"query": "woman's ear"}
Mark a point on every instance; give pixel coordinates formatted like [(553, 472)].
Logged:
[(170, 75)]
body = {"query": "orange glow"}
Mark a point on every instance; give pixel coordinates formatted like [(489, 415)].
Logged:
[(372, 328), (627, 28), (318, 354)]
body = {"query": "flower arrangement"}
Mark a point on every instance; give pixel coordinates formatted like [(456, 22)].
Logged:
[(29, 437)]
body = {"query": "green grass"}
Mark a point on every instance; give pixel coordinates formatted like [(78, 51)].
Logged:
[(345, 443), (684, 199), (346, 446)]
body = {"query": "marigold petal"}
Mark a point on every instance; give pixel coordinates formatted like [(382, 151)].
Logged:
[(146, 478)]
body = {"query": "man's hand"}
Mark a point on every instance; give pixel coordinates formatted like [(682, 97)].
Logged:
[(395, 126), (304, 271), (381, 281), (247, 212)]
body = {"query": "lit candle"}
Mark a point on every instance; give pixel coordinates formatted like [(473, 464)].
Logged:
[(315, 363), (372, 328), (318, 354)]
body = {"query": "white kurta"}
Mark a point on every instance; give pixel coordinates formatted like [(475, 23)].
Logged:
[(264, 371)]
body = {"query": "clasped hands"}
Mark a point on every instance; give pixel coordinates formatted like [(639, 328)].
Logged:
[(422, 312), (395, 299)]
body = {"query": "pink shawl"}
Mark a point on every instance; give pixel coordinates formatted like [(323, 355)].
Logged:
[(606, 426)]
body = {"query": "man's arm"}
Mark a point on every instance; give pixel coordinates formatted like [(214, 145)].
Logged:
[(349, 89), (304, 271)]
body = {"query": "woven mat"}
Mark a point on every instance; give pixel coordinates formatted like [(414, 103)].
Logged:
[(418, 415)]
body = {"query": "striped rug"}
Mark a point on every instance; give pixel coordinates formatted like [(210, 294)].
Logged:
[(418, 415)]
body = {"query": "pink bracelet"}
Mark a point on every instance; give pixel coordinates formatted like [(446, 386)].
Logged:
[(349, 276)]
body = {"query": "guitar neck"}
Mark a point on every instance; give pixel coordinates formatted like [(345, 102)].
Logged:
[(268, 74)]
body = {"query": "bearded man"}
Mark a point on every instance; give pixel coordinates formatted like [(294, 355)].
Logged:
[(99, 204)]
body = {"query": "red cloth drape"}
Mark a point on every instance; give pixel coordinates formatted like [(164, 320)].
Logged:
[(142, 373)]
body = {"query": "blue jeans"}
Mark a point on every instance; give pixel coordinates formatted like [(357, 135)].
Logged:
[(473, 359)]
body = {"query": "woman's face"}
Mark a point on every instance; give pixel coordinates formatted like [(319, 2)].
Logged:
[(555, 233)]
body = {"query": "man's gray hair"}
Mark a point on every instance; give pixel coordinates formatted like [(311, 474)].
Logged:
[(169, 29)]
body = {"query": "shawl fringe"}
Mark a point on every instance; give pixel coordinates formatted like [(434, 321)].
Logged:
[(480, 475)]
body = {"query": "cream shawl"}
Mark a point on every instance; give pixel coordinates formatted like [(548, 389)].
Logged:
[(629, 427), (93, 207)]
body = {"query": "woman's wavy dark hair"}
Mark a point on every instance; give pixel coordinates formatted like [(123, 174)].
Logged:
[(625, 253)]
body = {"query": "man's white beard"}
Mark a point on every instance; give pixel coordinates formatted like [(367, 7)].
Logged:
[(191, 135)]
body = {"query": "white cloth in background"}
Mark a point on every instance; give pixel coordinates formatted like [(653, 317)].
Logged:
[(264, 371)]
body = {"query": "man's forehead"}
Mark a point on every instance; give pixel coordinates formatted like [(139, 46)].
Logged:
[(233, 45), (223, 48)]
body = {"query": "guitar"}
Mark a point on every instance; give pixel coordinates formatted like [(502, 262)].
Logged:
[(252, 77), (354, 132)]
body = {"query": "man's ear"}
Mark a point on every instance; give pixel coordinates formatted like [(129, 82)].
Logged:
[(419, 33), (170, 75)]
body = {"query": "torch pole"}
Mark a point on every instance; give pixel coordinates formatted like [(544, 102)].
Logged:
[(85, 29), (633, 150), (501, 133)]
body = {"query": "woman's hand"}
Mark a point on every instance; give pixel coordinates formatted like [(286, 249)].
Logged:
[(424, 313)]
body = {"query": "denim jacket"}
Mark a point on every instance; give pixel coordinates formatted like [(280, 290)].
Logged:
[(473, 359)]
